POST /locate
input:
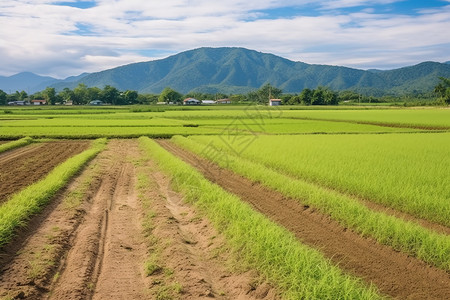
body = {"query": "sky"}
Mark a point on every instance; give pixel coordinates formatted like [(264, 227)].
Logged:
[(66, 38)]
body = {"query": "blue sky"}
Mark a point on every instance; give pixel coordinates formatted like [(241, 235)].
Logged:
[(64, 38)]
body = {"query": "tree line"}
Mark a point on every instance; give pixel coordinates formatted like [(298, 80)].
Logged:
[(82, 95)]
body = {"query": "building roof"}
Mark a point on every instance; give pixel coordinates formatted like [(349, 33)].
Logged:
[(276, 100), (191, 99), (39, 100)]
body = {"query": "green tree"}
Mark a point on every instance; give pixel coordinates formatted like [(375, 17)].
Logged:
[(267, 92), (50, 95), (111, 95), (130, 97), (318, 97), (67, 95), (306, 96), (169, 95), (330, 97), (237, 98), (21, 95), (294, 100), (93, 93), (80, 93), (3, 97), (443, 89)]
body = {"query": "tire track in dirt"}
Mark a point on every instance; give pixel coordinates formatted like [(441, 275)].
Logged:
[(18, 152), (29, 262), (394, 273), (106, 258), (193, 251), (26, 165)]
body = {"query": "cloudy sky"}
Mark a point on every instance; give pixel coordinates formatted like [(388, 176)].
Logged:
[(64, 38)]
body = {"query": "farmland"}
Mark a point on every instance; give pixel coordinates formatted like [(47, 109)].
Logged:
[(226, 202)]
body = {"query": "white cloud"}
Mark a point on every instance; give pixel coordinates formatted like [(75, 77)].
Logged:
[(58, 40)]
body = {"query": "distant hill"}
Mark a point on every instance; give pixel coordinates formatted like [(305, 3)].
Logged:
[(239, 70), (31, 83), (24, 81)]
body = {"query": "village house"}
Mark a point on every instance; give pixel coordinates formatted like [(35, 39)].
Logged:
[(208, 102), (191, 101), (38, 102), (21, 102), (223, 101), (274, 102), (96, 102)]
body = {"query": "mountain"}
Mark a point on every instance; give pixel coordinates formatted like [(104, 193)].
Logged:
[(24, 81), (239, 70), (60, 82), (31, 83)]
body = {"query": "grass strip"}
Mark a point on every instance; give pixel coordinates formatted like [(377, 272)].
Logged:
[(407, 172), (300, 272), (15, 144), (15, 212), (401, 235)]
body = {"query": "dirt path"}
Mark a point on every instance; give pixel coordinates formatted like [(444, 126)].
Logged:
[(26, 165), (394, 273), (97, 246), (106, 257), (196, 252)]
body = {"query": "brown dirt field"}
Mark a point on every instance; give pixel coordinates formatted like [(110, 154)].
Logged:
[(26, 165), (394, 273), (30, 263), (196, 252), (97, 249)]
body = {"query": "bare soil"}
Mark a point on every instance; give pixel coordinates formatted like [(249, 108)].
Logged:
[(196, 253), (394, 273), (98, 249), (23, 166)]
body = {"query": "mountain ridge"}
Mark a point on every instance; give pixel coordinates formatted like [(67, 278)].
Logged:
[(239, 70)]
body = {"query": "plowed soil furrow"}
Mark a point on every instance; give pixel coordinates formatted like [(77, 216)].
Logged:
[(24, 166), (29, 262), (394, 273), (105, 261), (193, 251)]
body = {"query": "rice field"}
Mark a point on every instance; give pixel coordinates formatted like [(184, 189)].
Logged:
[(271, 203), (409, 172)]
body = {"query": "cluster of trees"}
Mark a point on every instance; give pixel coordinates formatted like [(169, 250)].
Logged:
[(443, 89), (319, 96), (82, 95)]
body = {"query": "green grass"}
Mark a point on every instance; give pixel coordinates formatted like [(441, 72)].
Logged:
[(120, 124), (408, 237), (299, 271), (105, 131), (15, 144), (422, 117), (409, 172), (18, 209)]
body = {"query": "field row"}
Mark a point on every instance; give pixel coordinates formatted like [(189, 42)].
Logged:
[(297, 270), (409, 172), (252, 120), (407, 117)]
